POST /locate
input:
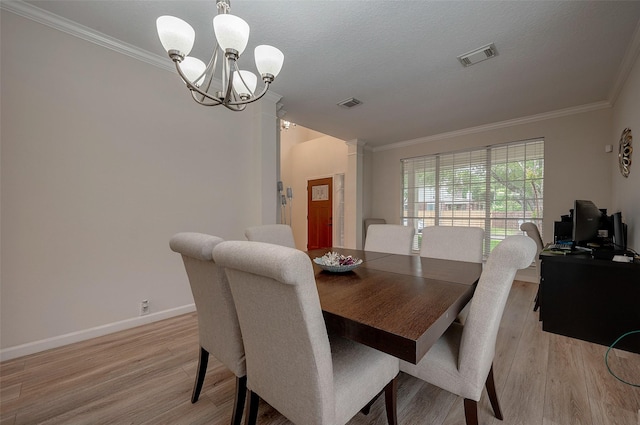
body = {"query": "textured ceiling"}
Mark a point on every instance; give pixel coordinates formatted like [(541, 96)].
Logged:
[(400, 58)]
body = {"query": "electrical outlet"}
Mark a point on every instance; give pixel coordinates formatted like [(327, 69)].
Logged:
[(144, 307)]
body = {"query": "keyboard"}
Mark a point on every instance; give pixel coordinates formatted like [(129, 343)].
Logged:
[(559, 247)]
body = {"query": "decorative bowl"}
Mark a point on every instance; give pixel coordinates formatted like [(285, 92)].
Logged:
[(337, 263)]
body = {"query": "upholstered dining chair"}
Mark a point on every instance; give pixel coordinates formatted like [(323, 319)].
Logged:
[(368, 222), (452, 243), (278, 234), (532, 231), (218, 327), (461, 361), (291, 363), (389, 238)]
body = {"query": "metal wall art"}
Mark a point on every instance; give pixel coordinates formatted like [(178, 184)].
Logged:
[(624, 152)]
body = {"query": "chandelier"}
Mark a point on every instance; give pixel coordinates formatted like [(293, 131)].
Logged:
[(232, 35)]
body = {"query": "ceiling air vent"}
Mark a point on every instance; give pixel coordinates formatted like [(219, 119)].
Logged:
[(350, 103), (478, 55)]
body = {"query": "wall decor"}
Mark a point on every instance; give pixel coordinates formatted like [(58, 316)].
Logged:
[(624, 152), (320, 193)]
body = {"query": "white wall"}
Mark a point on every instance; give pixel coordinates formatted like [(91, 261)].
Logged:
[(576, 165), (288, 140), (626, 191), (104, 157)]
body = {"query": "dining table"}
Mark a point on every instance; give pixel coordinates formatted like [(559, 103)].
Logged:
[(398, 304)]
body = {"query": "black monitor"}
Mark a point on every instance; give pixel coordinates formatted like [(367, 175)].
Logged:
[(586, 222), (619, 236)]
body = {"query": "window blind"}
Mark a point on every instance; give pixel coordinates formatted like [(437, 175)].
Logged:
[(496, 188)]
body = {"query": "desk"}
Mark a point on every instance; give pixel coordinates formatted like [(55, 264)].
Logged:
[(590, 299), (399, 304)]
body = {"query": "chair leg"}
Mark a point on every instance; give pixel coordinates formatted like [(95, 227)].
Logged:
[(471, 411), (202, 370), (251, 412), (493, 396), (390, 398), (238, 403), (537, 304), (366, 409)]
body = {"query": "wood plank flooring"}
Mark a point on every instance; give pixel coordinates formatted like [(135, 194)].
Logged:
[(145, 375)]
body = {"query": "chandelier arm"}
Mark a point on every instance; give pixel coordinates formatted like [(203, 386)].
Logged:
[(209, 71), (237, 108), (195, 88), (236, 105), (229, 78), (245, 101), (253, 99), (202, 101)]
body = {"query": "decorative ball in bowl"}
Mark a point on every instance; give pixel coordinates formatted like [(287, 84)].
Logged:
[(337, 263)]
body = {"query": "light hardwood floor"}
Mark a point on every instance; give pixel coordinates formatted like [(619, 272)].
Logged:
[(145, 375)]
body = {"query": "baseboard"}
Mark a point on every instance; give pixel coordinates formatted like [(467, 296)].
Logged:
[(58, 341)]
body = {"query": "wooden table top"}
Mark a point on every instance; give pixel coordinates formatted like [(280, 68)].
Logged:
[(399, 304)]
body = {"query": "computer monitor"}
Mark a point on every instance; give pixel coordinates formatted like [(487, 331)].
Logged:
[(619, 236), (586, 221)]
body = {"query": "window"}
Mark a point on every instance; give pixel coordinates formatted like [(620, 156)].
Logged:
[(496, 188)]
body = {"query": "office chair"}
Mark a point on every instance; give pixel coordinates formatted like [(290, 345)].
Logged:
[(532, 231)]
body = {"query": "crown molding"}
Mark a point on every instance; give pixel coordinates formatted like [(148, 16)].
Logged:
[(498, 125), (273, 97), (633, 50), (355, 142), (75, 29), (70, 27)]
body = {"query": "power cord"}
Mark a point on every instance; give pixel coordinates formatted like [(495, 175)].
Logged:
[(606, 359), (632, 252)]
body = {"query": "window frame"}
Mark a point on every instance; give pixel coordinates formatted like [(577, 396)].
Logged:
[(452, 188)]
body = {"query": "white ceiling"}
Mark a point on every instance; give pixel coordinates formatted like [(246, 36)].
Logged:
[(400, 57)]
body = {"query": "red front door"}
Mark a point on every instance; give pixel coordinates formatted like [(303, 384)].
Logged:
[(319, 213)]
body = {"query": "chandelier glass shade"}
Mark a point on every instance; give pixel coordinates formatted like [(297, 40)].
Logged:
[(232, 35)]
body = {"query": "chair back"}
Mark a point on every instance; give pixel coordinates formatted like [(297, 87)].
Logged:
[(218, 326), (477, 345), (390, 238), (453, 243), (369, 221), (532, 231), (289, 362), (277, 234)]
